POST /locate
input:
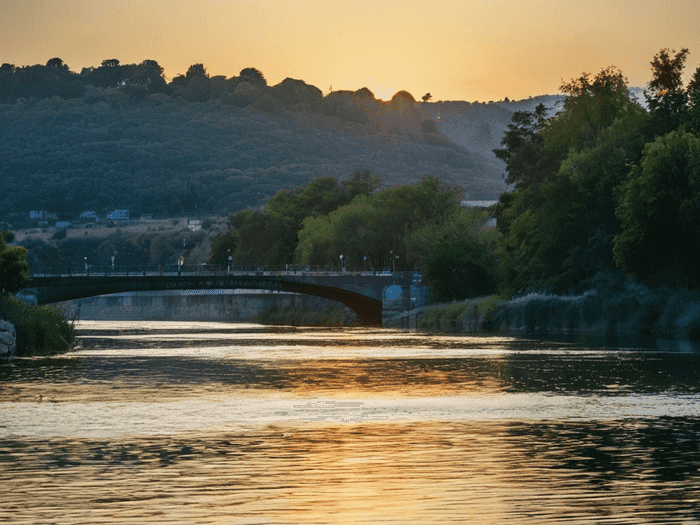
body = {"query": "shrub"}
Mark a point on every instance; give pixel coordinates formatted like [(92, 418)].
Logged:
[(41, 330)]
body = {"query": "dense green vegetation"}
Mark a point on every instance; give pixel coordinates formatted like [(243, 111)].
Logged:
[(407, 227), (605, 190), (119, 136), (605, 185), (39, 330), (130, 250)]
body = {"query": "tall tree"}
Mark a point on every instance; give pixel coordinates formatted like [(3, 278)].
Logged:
[(667, 98), (14, 269)]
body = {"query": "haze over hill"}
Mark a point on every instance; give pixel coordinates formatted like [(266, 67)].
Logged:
[(215, 145)]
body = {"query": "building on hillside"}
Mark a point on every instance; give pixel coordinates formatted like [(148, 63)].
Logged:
[(477, 204), (40, 214), (88, 215), (194, 225), (118, 215)]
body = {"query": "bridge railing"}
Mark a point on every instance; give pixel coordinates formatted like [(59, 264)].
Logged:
[(211, 269)]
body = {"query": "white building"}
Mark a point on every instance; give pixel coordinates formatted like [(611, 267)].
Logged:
[(118, 215)]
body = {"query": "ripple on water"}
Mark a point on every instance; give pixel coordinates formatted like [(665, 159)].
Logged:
[(409, 472)]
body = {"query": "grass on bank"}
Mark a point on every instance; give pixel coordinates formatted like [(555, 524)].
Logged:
[(300, 316), (40, 330), (454, 317)]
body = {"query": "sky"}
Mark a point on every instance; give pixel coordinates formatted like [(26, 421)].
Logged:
[(455, 50)]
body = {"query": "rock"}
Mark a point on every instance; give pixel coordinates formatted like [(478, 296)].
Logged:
[(8, 340)]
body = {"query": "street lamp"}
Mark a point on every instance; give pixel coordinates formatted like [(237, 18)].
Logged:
[(112, 263), (86, 267), (230, 259), (342, 263)]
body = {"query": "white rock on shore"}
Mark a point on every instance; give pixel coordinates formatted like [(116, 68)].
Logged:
[(8, 339)]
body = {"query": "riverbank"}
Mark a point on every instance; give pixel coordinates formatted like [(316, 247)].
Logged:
[(40, 330), (301, 316), (615, 312)]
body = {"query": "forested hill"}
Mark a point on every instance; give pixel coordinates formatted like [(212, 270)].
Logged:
[(168, 156), (178, 149)]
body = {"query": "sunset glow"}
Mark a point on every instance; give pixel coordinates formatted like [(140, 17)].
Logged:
[(472, 50)]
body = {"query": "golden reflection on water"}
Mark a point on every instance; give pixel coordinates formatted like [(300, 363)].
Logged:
[(432, 472), (441, 469)]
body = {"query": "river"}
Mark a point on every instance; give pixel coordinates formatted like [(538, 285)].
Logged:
[(184, 423)]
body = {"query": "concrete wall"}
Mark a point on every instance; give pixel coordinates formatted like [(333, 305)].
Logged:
[(181, 305)]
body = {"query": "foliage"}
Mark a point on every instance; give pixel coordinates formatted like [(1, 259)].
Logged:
[(472, 314), (14, 269), (660, 213), (559, 223), (270, 237), (40, 330), (372, 229)]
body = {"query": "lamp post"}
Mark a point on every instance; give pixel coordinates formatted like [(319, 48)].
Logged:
[(342, 263), (230, 259), (86, 267), (112, 263)]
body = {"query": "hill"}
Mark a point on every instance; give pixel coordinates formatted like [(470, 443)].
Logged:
[(166, 155), (212, 146)]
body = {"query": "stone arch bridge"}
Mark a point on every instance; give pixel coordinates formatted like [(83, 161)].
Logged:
[(370, 295)]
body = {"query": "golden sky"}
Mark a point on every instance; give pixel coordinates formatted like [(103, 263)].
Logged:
[(456, 50)]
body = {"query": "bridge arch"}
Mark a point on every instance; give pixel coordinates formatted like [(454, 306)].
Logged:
[(52, 289)]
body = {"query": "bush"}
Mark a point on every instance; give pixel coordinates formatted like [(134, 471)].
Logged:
[(41, 330)]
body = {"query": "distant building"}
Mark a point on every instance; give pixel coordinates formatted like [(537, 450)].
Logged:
[(194, 225), (62, 224), (477, 204), (88, 215), (40, 214), (118, 215)]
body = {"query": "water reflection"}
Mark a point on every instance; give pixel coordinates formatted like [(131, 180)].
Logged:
[(644, 471), (211, 423)]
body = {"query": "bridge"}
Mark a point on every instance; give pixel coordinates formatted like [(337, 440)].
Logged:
[(364, 292)]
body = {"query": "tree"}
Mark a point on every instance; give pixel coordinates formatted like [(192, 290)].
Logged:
[(666, 71), (659, 212), (14, 269), (667, 99), (145, 78), (427, 97), (255, 77), (196, 71), (559, 222), (522, 143), (56, 63), (593, 104)]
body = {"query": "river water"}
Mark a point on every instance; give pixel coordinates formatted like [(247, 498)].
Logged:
[(182, 423)]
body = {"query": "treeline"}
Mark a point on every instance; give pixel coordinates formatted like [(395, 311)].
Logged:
[(130, 250), (350, 224), (605, 189), (127, 139)]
